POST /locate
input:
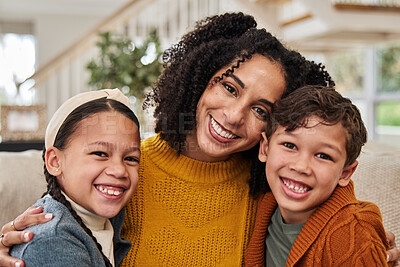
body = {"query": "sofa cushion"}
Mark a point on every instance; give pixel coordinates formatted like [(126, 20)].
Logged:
[(377, 180), (21, 182)]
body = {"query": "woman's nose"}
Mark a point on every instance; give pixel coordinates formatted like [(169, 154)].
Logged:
[(235, 115)]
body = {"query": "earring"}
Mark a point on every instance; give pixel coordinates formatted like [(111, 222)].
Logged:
[(57, 170)]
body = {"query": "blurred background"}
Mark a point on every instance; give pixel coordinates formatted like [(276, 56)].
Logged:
[(53, 49)]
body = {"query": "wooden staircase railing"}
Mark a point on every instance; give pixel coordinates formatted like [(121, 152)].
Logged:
[(111, 23), (66, 74), (294, 12), (367, 5)]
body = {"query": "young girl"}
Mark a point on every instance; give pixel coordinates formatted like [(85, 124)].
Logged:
[(92, 151)]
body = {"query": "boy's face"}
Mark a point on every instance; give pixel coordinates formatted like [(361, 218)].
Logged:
[(304, 166)]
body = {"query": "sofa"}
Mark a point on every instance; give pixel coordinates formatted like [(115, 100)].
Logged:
[(377, 179)]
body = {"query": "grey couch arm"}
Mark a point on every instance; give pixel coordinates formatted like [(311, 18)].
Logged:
[(21, 182), (377, 180)]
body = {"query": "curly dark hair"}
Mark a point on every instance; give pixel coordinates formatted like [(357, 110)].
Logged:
[(329, 106), (216, 42)]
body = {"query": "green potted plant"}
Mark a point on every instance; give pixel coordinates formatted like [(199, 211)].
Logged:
[(123, 63)]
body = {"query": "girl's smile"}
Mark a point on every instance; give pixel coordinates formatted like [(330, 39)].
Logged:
[(112, 192)]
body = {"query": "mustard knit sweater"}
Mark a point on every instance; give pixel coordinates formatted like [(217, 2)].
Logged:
[(187, 212), (341, 232)]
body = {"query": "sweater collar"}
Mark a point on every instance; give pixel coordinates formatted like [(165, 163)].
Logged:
[(167, 159), (341, 197)]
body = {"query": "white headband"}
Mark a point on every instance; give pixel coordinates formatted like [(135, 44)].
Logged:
[(71, 104)]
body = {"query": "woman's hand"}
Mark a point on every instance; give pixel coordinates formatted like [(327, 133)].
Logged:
[(12, 233), (393, 252)]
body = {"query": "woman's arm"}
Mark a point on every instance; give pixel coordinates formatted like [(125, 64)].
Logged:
[(393, 252), (31, 216)]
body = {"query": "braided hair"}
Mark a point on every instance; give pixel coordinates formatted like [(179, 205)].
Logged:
[(63, 137), (216, 42)]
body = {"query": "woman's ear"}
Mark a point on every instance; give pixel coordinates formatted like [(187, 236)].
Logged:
[(52, 158), (347, 173), (262, 153)]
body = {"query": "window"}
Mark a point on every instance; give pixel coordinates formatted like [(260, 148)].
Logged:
[(17, 62), (348, 71), (371, 78)]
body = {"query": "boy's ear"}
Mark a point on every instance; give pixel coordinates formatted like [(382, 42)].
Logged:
[(52, 158), (262, 153), (347, 173)]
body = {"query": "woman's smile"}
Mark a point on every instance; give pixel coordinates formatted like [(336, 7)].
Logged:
[(220, 133)]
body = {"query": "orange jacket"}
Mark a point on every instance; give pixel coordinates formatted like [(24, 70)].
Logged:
[(341, 232)]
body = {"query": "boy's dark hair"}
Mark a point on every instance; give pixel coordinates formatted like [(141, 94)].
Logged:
[(218, 41), (63, 137), (328, 105)]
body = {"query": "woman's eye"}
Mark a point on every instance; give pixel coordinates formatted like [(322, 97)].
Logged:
[(324, 156), (261, 112), (229, 88), (289, 145), (99, 153)]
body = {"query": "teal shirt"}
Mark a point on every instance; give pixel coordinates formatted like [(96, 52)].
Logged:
[(280, 239)]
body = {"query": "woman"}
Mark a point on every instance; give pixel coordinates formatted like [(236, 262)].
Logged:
[(193, 204)]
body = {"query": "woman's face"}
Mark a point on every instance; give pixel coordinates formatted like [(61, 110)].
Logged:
[(231, 114)]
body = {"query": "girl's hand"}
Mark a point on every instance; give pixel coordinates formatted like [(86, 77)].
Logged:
[(12, 233), (393, 252)]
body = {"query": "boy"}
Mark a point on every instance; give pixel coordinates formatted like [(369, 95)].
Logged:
[(312, 217)]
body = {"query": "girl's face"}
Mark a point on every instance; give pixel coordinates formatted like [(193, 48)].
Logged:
[(231, 114), (99, 167)]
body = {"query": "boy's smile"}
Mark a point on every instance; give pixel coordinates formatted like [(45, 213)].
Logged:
[(299, 189), (304, 166)]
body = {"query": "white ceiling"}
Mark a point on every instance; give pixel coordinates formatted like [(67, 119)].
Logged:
[(329, 29), (29, 8)]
